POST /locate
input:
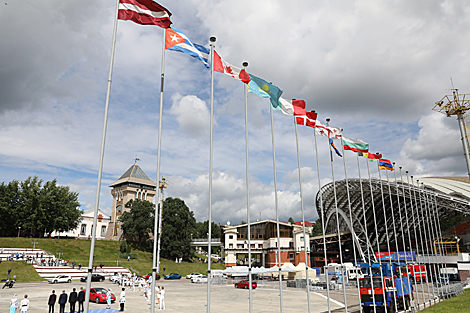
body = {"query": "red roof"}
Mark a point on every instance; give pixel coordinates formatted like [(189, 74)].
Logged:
[(307, 223)]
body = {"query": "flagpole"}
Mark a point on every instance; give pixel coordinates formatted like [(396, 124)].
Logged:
[(425, 230), (385, 221), (416, 237), (158, 207), (337, 217), (441, 245), (303, 216), (351, 220), (322, 219), (401, 224), (245, 64), (277, 213), (100, 169), (212, 40), (367, 236)]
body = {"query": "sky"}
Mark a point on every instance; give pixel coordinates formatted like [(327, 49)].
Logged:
[(375, 68)]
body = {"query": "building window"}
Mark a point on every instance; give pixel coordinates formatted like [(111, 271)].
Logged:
[(302, 238), (291, 244), (260, 236), (302, 248), (119, 210), (240, 246), (230, 245), (252, 246), (260, 246), (291, 256), (83, 230), (103, 231), (252, 236), (230, 236)]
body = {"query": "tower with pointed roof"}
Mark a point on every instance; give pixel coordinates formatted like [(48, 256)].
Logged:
[(133, 184)]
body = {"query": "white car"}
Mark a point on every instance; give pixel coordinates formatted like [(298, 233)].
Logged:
[(193, 275), (201, 279), (60, 279)]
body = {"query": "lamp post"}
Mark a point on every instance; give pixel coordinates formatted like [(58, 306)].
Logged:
[(34, 243), (19, 229)]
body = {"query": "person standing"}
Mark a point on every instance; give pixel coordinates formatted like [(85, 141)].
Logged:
[(13, 304), (24, 304), (62, 301), (81, 299), (108, 298), (162, 298), (51, 302), (73, 297), (157, 292), (122, 299)]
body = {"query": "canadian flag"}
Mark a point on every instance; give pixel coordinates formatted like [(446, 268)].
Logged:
[(224, 67)]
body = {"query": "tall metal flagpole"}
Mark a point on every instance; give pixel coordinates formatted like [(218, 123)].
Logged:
[(351, 220), (322, 219), (158, 207), (441, 245), (245, 64), (337, 218), (212, 40), (277, 213), (303, 216), (422, 209), (385, 222), (365, 230), (416, 238), (100, 170), (409, 237)]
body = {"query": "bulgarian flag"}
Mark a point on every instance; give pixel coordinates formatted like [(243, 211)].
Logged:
[(355, 145)]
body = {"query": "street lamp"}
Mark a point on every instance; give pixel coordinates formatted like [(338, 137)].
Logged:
[(19, 229)]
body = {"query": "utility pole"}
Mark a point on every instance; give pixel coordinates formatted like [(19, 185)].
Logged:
[(456, 104)]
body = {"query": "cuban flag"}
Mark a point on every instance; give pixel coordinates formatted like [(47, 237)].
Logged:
[(177, 41)]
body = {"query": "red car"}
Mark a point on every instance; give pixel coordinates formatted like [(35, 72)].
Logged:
[(98, 295), (245, 284), (150, 275)]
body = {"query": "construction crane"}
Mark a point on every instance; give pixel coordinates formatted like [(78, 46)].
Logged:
[(457, 104)]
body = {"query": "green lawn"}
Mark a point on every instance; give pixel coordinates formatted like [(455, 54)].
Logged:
[(457, 304), (24, 272), (78, 250)]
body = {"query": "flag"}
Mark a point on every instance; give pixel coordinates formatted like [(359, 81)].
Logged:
[(327, 131), (264, 89), (307, 120), (292, 107), (144, 12), (333, 146), (221, 66), (385, 164), (177, 41), (355, 145), (370, 156)]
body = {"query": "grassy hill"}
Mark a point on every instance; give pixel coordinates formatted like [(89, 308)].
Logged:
[(79, 251), (456, 304)]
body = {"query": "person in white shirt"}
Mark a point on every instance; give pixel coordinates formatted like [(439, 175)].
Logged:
[(13, 304), (146, 292), (122, 299), (162, 298), (157, 292), (24, 304)]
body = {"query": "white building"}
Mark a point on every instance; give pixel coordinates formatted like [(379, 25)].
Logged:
[(86, 226)]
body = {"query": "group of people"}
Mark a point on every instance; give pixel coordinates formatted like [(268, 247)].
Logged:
[(73, 298), (24, 304), (146, 285)]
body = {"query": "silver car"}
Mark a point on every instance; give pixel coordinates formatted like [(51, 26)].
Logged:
[(60, 279)]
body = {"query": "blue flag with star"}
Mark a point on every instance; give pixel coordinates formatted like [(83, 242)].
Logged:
[(264, 89)]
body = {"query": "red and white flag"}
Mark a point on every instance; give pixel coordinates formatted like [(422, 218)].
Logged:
[(144, 12), (327, 131), (309, 119), (221, 66), (292, 107)]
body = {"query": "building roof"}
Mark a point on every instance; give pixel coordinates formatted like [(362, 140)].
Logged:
[(134, 174), (91, 214), (307, 223)]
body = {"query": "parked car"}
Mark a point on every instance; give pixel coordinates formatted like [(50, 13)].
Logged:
[(173, 276), (94, 277), (60, 279), (245, 284), (193, 275), (150, 275), (199, 279), (98, 295)]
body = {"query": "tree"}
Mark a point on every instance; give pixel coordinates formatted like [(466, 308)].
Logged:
[(202, 229), (317, 228), (178, 223), (291, 221), (138, 222)]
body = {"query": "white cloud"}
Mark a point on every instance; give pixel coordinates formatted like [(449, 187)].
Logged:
[(192, 115)]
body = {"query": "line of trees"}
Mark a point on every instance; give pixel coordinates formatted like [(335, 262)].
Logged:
[(33, 208)]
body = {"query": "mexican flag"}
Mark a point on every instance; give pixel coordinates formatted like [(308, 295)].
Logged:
[(355, 145)]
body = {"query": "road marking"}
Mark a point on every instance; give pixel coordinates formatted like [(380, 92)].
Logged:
[(332, 300)]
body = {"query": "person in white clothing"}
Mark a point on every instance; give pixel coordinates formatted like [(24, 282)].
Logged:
[(122, 299), (162, 298), (157, 292), (24, 304), (13, 304)]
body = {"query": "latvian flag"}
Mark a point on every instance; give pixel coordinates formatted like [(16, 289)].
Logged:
[(144, 12)]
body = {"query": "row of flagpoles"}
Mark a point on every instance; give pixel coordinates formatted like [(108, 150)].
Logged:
[(147, 12)]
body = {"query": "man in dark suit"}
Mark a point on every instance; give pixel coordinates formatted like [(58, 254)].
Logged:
[(73, 297), (81, 299), (62, 301), (51, 302)]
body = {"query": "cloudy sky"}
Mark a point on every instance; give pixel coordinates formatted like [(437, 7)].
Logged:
[(375, 68)]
